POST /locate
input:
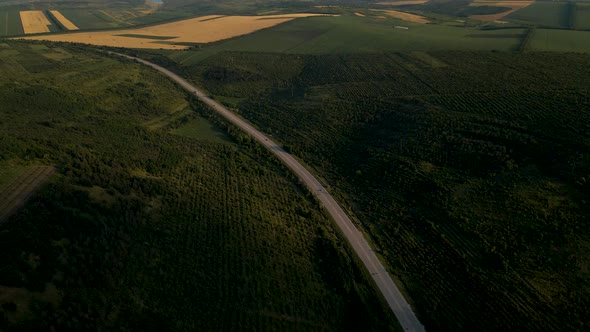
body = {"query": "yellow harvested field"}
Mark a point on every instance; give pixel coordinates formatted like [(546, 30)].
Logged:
[(404, 16), (203, 29), (63, 20), (403, 2), (359, 14), (513, 5), (34, 21)]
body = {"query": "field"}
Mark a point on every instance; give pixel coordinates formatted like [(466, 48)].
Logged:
[(402, 3), (513, 5), (204, 29), (92, 19), (582, 16), (404, 16), (85, 14), (543, 14), (201, 129), (34, 21), (10, 23), (351, 34), (560, 40), (469, 169), (67, 24), (16, 193), (154, 227)]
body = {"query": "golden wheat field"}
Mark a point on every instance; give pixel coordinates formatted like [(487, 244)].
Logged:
[(63, 20), (203, 29), (404, 16), (34, 21)]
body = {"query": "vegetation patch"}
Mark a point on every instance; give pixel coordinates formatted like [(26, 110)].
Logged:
[(543, 14), (15, 193), (468, 169), (11, 23), (138, 218), (201, 129)]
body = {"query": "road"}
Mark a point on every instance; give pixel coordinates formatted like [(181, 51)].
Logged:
[(398, 304)]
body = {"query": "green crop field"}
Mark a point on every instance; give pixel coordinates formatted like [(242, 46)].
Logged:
[(582, 16), (157, 228), (10, 24), (346, 34), (470, 170), (560, 40), (90, 19), (544, 14)]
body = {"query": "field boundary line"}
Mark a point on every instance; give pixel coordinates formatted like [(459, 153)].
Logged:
[(388, 289)]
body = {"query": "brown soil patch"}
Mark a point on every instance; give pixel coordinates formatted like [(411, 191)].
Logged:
[(359, 14), (15, 194), (196, 30), (63, 20), (404, 16), (513, 5), (34, 21)]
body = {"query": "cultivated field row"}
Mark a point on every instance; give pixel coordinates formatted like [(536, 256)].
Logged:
[(15, 194)]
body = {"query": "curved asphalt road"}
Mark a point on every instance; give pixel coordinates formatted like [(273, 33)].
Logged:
[(400, 307)]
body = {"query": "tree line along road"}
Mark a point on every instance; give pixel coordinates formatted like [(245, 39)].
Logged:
[(398, 304)]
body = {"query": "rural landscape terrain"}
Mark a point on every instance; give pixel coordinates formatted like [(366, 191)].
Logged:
[(454, 134)]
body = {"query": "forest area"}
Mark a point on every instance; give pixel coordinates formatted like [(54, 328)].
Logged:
[(151, 222), (469, 170)]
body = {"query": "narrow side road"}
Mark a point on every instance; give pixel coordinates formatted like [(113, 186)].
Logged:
[(398, 304)]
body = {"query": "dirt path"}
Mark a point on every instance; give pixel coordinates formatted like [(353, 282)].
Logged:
[(14, 195), (385, 285)]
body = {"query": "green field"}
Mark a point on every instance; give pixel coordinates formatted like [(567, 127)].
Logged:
[(582, 16), (469, 169), (347, 34), (148, 229), (201, 129), (560, 40), (90, 19), (10, 24), (544, 14)]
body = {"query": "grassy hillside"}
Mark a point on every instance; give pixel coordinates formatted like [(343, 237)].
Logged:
[(470, 170), (169, 227)]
